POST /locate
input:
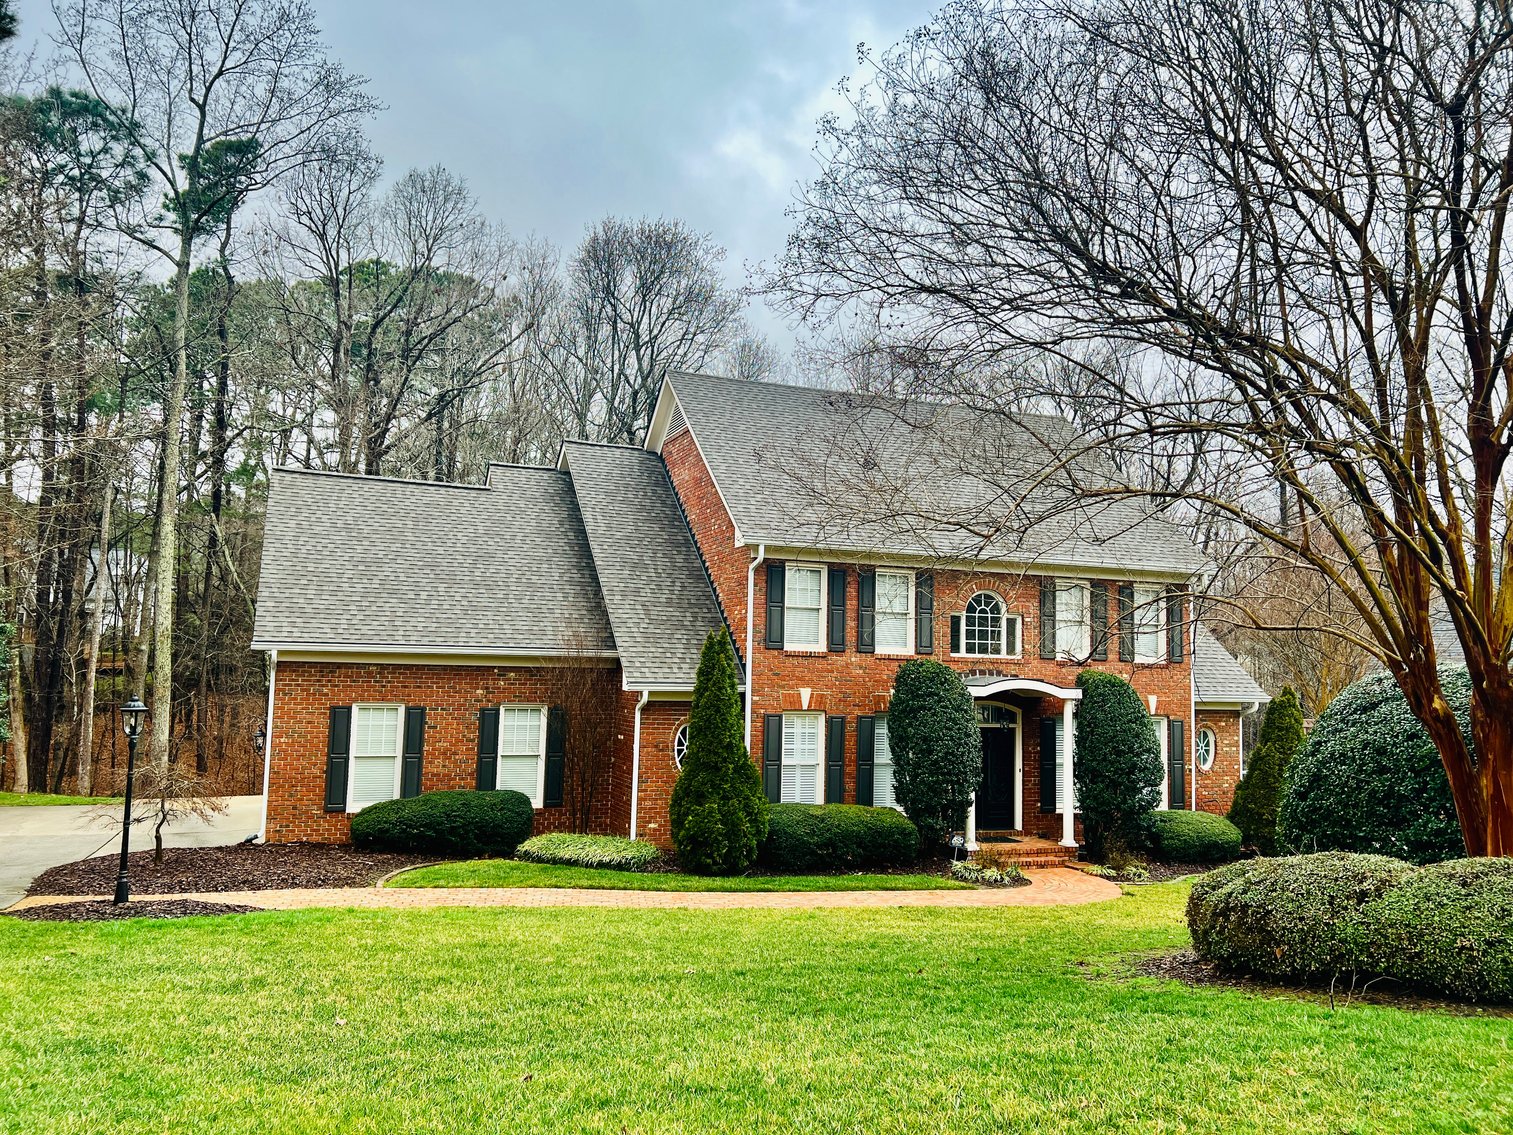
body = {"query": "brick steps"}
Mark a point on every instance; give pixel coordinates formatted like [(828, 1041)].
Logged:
[(1022, 851)]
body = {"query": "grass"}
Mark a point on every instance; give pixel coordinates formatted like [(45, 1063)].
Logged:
[(512, 873), (577, 1020), (40, 799)]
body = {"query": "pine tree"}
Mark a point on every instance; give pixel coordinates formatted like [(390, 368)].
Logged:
[(1116, 764), (1259, 793), (719, 812), (937, 747)]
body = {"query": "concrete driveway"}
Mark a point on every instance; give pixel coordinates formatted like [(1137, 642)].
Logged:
[(32, 839)]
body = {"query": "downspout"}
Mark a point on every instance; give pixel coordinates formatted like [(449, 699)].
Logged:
[(750, 623), (262, 828), (635, 764), (1192, 728)]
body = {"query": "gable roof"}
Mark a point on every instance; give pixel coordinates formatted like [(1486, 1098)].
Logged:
[(1218, 678), (353, 563), (803, 467), (661, 604)]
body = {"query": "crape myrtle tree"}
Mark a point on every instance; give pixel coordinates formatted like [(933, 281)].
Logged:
[(937, 747), (1116, 766), (1259, 793), (1266, 241), (718, 811)]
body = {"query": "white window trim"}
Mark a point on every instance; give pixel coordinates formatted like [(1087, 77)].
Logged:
[(680, 731), (1008, 617), (908, 647), (882, 719), (399, 748), (1086, 646), (1160, 609), (539, 796), (823, 643), (1162, 726), (1213, 752), (819, 754)]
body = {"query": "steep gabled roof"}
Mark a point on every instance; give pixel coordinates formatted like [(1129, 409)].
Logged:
[(1217, 677), (353, 563), (660, 602), (802, 467)]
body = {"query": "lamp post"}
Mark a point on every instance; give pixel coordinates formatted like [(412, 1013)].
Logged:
[(259, 739), (132, 714)]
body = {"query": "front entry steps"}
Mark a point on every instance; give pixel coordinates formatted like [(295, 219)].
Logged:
[(999, 848)]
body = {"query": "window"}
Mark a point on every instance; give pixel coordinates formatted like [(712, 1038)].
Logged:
[(1163, 742), (804, 608), (1072, 631), (1206, 749), (801, 758), (1150, 622), (680, 745), (522, 750), (893, 622), (882, 767), (1061, 767), (376, 734), (986, 631)]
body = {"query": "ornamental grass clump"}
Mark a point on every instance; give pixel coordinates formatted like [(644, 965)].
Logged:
[(610, 852)]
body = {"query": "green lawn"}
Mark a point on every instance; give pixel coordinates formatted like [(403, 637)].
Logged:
[(567, 1020), (37, 799), (512, 873)]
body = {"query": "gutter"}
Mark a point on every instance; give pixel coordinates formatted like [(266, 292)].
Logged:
[(750, 623), (262, 828), (635, 764)]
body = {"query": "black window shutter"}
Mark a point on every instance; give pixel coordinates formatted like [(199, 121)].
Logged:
[(835, 760), (556, 755), (866, 611), (1097, 597), (1176, 763), (772, 756), (488, 749), (1126, 622), (1048, 798), (338, 751), (777, 580), (836, 616), (924, 613), (866, 741), (1174, 624), (415, 741), (1047, 617), (955, 634)]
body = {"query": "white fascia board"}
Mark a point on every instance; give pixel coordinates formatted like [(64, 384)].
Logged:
[(429, 656), (1005, 567)]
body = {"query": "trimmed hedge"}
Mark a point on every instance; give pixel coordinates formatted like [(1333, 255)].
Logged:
[(837, 837), (1445, 928), (461, 823), (613, 852), (1118, 766), (1193, 837)]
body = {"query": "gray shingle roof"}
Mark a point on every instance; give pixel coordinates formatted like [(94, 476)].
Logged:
[(1217, 676), (801, 467), (660, 602), (354, 562)]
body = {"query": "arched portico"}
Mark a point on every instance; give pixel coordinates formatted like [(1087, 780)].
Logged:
[(990, 686)]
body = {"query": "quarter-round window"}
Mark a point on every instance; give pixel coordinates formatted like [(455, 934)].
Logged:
[(1206, 748), (680, 745), (982, 625)]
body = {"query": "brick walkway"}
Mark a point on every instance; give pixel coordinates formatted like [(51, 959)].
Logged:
[(1059, 886)]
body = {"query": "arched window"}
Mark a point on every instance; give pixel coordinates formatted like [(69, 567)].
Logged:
[(983, 626), (1206, 749), (680, 745)]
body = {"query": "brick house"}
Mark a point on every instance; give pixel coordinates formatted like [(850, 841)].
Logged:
[(420, 634)]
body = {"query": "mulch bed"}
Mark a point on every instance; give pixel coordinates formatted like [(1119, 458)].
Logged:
[(103, 910), (1185, 966), (240, 867), (1164, 872)]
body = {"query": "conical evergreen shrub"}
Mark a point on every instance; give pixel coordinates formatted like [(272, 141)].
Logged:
[(937, 747), (719, 812), (1116, 765), (1259, 793)]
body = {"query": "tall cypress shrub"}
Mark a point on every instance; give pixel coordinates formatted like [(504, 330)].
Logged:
[(1259, 793), (1116, 764), (937, 747), (719, 812)]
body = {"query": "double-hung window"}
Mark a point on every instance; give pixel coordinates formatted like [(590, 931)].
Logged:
[(882, 767), (522, 750), (801, 758), (1150, 622), (377, 732), (804, 607), (1072, 629), (893, 617)]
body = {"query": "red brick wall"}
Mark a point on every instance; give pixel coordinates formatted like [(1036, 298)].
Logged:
[(453, 695), (659, 722), (1216, 787), (713, 529)]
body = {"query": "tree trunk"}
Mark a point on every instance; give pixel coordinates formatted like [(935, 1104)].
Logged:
[(18, 741), (92, 652)]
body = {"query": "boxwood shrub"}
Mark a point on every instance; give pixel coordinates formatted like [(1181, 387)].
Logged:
[(1193, 837), (458, 823), (837, 837), (613, 852)]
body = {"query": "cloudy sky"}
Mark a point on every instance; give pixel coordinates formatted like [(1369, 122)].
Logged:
[(562, 111)]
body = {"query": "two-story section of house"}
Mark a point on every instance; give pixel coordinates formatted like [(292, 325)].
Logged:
[(419, 633)]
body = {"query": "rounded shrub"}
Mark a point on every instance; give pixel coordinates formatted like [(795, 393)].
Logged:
[(1370, 779), (1259, 793), (1296, 918), (1193, 837), (459, 823), (937, 747), (837, 837), (611, 852)]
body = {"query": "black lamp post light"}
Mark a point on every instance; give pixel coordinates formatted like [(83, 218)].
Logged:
[(133, 713)]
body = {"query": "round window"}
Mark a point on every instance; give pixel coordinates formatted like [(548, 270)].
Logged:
[(1207, 748), (680, 745)]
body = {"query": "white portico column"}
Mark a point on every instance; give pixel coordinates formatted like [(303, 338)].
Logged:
[(1068, 738)]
